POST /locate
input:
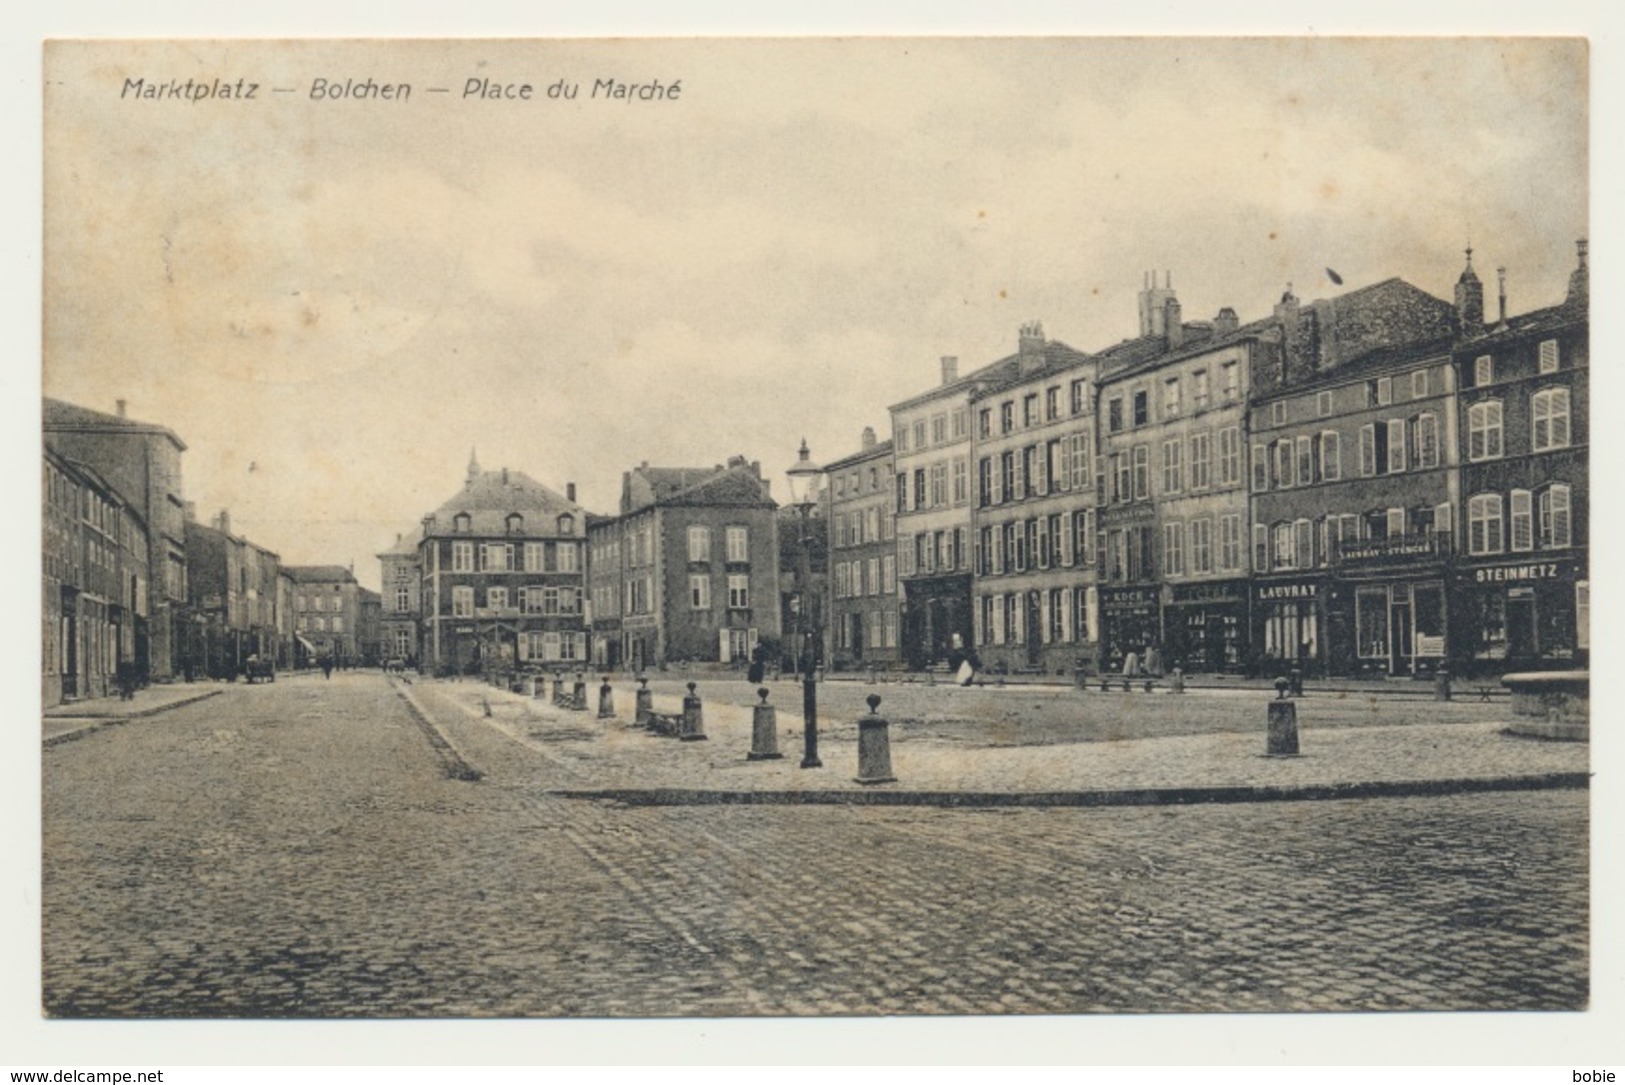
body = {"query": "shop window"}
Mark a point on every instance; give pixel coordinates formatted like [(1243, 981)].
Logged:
[(1371, 622), (1428, 615)]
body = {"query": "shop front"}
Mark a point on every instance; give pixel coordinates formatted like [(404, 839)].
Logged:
[(1523, 615), (1400, 626), (1205, 626), (938, 624), (1130, 621), (1290, 625)]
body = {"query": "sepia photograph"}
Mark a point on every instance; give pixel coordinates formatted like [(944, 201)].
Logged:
[(815, 527)]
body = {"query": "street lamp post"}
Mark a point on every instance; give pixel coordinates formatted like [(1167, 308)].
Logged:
[(802, 476)]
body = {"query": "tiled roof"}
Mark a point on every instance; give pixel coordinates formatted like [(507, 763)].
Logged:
[(491, 496), (319, 574), (60, 415)]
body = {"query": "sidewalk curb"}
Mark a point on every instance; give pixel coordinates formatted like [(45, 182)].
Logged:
[(98, 723), (1176, 796)]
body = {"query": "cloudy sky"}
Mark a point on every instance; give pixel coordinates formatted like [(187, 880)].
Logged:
[(332, 302)]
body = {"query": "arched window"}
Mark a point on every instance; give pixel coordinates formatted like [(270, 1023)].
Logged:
[(1484, 430), (1484, 517), (1550, 410), (461, 523), (516, 523), (567, 524)]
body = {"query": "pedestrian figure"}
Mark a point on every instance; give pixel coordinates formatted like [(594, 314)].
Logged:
[(327, 667), (1153, 661), (757, 667), (1131, 664)]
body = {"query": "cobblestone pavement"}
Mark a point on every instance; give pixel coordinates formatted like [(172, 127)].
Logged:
[(297, 850)]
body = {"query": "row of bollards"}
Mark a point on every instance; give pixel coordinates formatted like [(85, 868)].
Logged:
[(874, 739)]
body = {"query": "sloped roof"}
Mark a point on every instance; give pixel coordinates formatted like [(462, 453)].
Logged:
[(1550, 319), (880, 450), (1371, 362), (489, 497), (735, 485), (319, 574), (59, 415), (993, 372)]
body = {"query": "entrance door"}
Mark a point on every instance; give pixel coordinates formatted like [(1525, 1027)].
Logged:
[(1400, 630), (1035, 629), (1521, 623)]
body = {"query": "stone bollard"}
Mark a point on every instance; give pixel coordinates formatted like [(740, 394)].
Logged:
[(764, 731), (1441, 683), (485, 702), (874, 746), (558, 688), (606, 701), (645, 703), (693, 725), (930, 677), (1283, 723), (578, 693), (1176, 682)]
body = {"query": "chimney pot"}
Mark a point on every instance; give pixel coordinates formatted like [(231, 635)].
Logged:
[(950, 368), (121, 408), (868, 439), (570, 492)]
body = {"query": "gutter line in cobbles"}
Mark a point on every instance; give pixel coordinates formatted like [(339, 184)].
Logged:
[(1172, 796), (456, 766)]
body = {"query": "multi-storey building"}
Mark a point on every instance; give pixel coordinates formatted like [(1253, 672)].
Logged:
[(1354, 481), (690, 564), (327, 613), (1177, 457), (1033, 499), (370, 627), (503, 576), (95, 587), (864, 626), (931, 449), (141, 461), (289, 650), (1522, 588), (399, 628), (233, 600)]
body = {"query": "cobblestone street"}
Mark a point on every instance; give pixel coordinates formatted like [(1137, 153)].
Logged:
[(297, 850)]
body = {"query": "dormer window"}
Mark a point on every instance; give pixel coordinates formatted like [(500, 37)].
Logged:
[(567, 524), (516, 523), (462, 523)]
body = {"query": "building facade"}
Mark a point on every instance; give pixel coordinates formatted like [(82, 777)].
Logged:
[(691, 563), (503, 568), (932, 456), (865, 619), (1355, 482), (327, 613), (399, 628), (1033, 518), (142, 462), (233, 600), (95, 597), (1522, 584)]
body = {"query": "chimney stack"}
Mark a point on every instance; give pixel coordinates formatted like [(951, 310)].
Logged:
[(868, 439), (570, 492), (1579, 278), (950, 368), (1501, 276), (1174, 322), (1030, 346), (121, 406), (1153, 304), (1226, 322), (1469, 299), (222, 522), (504, 476)]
